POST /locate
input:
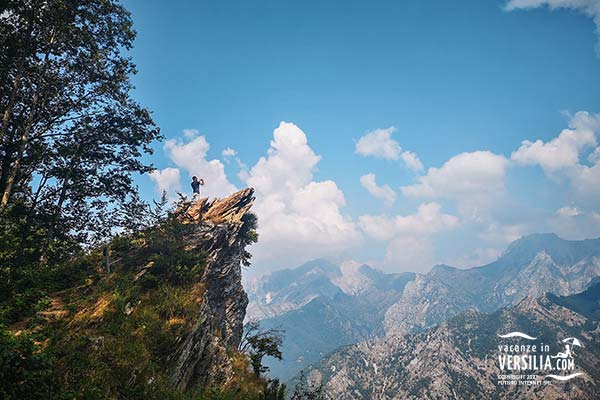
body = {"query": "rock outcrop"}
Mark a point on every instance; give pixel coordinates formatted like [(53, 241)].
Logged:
[(221, 232)]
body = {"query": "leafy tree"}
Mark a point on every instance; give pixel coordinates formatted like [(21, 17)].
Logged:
[(259, 343), (71, 136)]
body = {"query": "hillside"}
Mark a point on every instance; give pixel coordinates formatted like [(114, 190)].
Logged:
[(459, 359), (164, 322)]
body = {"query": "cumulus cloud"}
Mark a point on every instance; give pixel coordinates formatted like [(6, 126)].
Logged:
[(379, 143), (427, 220), (502, 233), (190, 133), (191, 156), (167, 179), (409, 254), (409, 246), (561, 156), (594, 157), (562, 151), (229, 152), (462, 175), (412, 161), (383, 192), (299, 218), (575, 223), (479, 256)]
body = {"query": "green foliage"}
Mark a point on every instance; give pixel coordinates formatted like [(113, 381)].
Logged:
[(25, 369), (273, 390), (259, 343)]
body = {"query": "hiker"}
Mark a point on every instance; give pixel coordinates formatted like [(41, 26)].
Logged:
[(196, 184)]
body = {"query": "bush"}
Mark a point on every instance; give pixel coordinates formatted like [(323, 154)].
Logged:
[(25, 368)]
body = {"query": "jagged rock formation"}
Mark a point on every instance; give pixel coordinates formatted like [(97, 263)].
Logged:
[(202, 357), (529, 267), (459, 358)]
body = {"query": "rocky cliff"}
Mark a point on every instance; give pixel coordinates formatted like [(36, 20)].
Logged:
[(219, 232)]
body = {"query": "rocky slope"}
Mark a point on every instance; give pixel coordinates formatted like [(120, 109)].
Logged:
[(530, 266), (322, 306), (459, 359)]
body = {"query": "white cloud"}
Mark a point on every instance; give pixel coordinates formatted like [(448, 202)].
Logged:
[(190, 133), (379, 143), (502, 234), (428, 220), (192, 157), (479, 256), (412, 161), (229, 152), (299, 218), (568, 212), (561, 155), (409, 246), (383, 192), (167, 180), (463, 175), (575, 223), (594, 156), (562, 151)]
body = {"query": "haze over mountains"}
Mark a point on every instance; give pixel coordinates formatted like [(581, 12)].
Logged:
[(322, 306)]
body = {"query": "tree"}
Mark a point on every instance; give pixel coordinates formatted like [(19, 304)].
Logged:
[(71, 136), (258, 344), (273, 390)]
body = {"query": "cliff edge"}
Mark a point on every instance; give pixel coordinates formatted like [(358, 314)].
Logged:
[(220, 232)]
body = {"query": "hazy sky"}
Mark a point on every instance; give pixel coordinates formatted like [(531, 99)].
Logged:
[(400, 133)]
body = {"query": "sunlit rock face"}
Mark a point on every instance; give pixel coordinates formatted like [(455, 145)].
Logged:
[(219, 232)]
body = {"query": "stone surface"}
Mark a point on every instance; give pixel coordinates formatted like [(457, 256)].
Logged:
[(202, 356)]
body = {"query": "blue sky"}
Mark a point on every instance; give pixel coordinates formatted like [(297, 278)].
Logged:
[(471, 78)]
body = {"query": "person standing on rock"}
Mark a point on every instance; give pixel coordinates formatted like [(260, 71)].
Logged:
[(196, 184)]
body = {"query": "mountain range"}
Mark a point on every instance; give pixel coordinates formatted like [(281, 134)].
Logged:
[(460, 358), (322, 306)]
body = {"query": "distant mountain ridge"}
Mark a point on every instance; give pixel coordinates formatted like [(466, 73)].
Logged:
[(322, 306), (459, 358), (529, 267)]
